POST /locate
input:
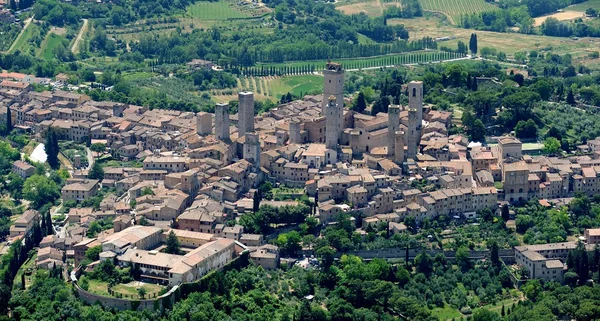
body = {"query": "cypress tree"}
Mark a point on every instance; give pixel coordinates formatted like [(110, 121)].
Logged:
[(473, 44), (9, 126), (51, 148)]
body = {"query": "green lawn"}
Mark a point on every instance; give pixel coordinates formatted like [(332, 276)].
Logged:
[(296, 85), (28, 279), (23, 43), (101, 288), (152, 290), (221, 10), (49, 46), (582, 7), (446, 313), (98, 287)]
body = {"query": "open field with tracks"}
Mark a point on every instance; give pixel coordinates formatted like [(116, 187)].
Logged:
[(582, 7), (455, 8), (370, 8), (563, 16)]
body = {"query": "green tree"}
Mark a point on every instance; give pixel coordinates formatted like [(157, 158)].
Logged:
[(570, 97), (462, 258), (173, 246), (9, 125), (40, 190), (494, 256), (477, 131), (360, 103), (424, 263), (289, 242), (473, 43), (98, 147), (96, 172), (93, 253), (485, 315), (505, 212), (141, 292), (532, 289), (51, 148), (381, 105), (551, 146), (526, 129)]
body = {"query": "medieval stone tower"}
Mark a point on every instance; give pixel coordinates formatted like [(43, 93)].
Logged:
[(415, 99), (252, 148), (222, 121), (333, 123), (393, 126), (203, 123), (333, 86), (414, 134), (294, 133), (245, 112), (399, 148)]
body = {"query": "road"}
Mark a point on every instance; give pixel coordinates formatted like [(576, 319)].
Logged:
[(75, 48), (90, 158), (27, 22)]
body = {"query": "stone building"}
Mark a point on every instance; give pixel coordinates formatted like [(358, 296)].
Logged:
[(245, 113), (222, 121)]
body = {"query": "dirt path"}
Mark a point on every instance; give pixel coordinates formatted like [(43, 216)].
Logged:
[(380, 6), (75, 48), (27, 22)]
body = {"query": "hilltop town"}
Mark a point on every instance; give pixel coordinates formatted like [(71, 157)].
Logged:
[(197, 176)]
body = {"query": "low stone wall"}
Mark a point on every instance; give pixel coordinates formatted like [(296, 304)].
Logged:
[(400, 253), (164, 301)]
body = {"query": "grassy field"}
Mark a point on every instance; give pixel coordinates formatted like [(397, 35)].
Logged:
[(152, 290), (101, 288), (23, 43), (507, 43), (581, 7), (455, 8), (297, 85), (372, 8), (446, 313), (49, 45), (222, 10)]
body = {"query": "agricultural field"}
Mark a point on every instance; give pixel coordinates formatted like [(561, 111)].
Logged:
[(410, 58), (371, 8), (563, 16), (455, 8), (582, 7), (225, 10), (508, 43)]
